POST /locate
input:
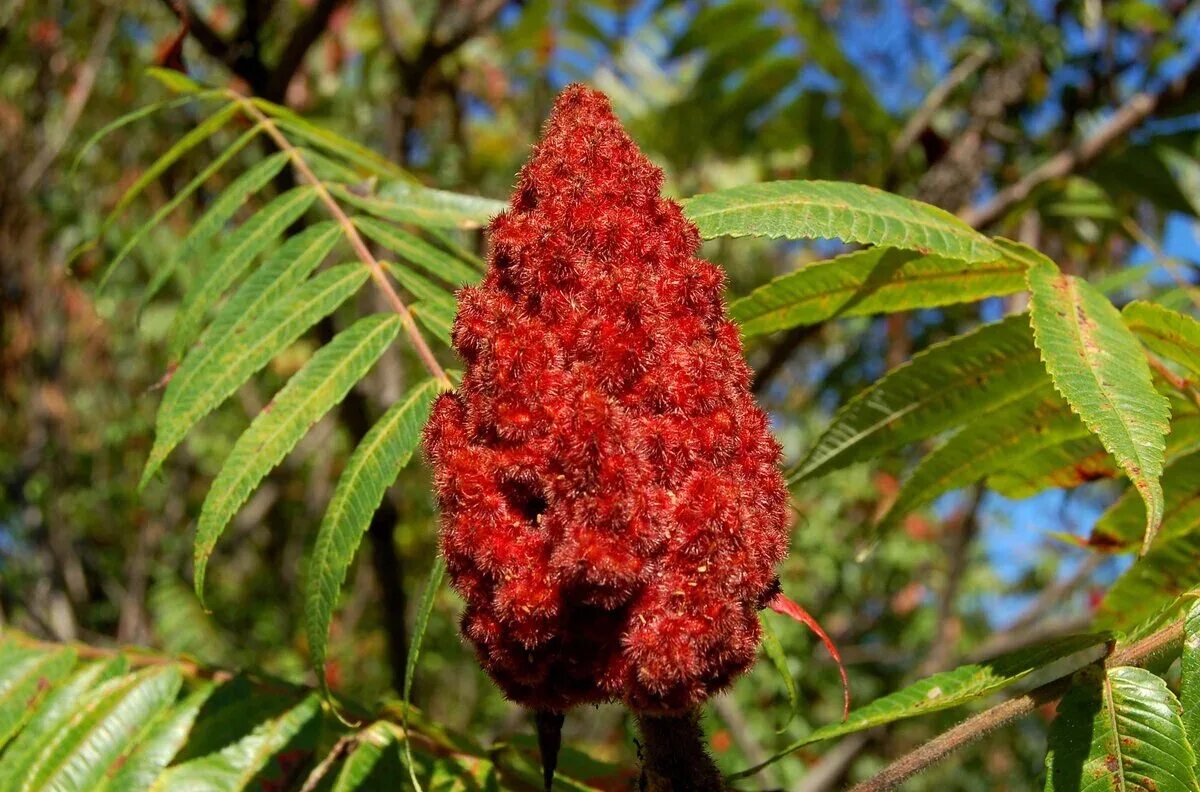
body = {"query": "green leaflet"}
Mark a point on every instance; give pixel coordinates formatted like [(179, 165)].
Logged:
[(26, 677), (49, 718), (1189, 683), (373, 757), (778, 658), (140, 765), (288, 266), (1077, 462), (428, 597), (214, 220), (836, 210), (1154, 580), (417, 251), (986, 446), (236, 764), (214, 377), (231, 260), (178, 198), (435, 317), (1120, 528), (175, 81), (405, 203), (422, 288), (877, 280), (136, 115), (948, 384), (1168, 333), (1119, 731), (104, 724), (1098, 366), (192, 138), (371, 469), (945, 690), (309, 394)]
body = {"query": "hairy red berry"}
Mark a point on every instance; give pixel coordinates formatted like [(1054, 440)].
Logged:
[(612, 508)]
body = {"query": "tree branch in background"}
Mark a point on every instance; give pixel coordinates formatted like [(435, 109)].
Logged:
[(978, 726), (242, 54), (303, 37), (936, 98), (1127, 117)]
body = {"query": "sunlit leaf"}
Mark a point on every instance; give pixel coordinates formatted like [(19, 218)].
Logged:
[(1099, 367), (418, 252), (1171, 334), (878, 280), (985, 446), (1119, 731), (836, 210), (103, 725), (949, 384)]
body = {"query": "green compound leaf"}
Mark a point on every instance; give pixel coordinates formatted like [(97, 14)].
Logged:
[(1078, 462), (836, 210), (986, 446), (192, 138), (1171, 334), (945, 690), (143, 763), (214, 220), (218, 371), (1098, 366), (878, 280), (232, 259), (309, 394), (949, 384), (1119, 732), (371, 469)]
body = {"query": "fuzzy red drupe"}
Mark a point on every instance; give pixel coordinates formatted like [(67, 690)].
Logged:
[(612, 507)]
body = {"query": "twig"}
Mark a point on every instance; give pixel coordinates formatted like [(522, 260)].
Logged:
[(937, 97), (348, 228), (1136, 109), (975, 728)]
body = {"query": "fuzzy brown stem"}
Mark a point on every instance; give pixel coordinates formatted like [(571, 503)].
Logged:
[(674, 758)]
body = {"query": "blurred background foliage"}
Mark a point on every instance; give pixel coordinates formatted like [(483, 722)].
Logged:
[(950, 102)]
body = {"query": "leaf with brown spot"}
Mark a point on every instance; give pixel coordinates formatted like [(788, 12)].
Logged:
[(1100, 369), (1119, 730)]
